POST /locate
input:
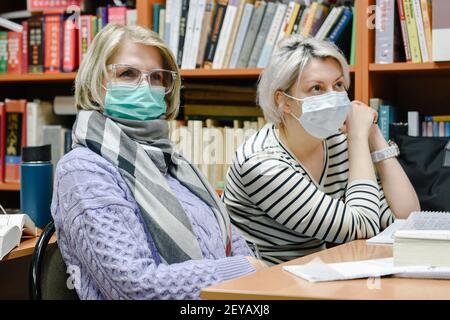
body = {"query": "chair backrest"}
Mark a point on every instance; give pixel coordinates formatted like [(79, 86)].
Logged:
[(48, 277)]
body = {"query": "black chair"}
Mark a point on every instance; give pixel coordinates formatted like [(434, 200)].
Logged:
[(48, 277)]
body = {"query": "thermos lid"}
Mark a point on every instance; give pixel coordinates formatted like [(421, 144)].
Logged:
[(37, 153)]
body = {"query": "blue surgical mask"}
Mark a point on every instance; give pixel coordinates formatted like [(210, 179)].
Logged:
[(135, 103)]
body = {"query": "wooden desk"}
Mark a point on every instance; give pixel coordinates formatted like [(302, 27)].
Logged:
[(25, 248), (276, 283)]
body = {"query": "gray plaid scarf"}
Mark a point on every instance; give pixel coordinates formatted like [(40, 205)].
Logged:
[(143, 154)]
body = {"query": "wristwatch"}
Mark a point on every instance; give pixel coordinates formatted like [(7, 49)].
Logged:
[(386, 153)]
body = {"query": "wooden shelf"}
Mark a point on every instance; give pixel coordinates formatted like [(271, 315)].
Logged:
[(33, 77), (405, 67), (9, 186)]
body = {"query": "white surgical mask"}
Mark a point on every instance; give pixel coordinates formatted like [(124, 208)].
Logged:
[(323, 115)]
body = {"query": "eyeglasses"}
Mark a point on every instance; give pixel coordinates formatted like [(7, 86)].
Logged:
[(131, 76)]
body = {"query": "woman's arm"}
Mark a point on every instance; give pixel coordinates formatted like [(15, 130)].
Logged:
[(399, 192), (105, 232)]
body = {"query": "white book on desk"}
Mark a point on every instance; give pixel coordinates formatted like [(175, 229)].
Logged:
[(388, 234), (12, 228)]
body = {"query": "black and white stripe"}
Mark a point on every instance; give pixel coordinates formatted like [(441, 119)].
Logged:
[(276, 204)]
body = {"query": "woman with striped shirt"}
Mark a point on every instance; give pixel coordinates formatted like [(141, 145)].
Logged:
[(307, 178)]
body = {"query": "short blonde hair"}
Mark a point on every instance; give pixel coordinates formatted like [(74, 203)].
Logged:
[(92, 71), (286, 65)]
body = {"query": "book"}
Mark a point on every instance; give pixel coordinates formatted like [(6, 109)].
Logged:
[(162, 24), (421, 30), (35, 44), (24, 47), (424, 239), (352, 60), (131, 17), (168, 14), (102, 17), (320, 16), (262, 34), (243, 27), (3, 51), (12, 228), (15, 138), (156, 13), (426, 17), (441, 30), (85, 36), (387, 235), (225, 34), (53, 43), (14, 52), (406, 45), (416, 55), (413, 124), (341, 25), (292, 9), (329, 22), (2, 140), (207, 22), (64, 105), (253, 30), (52, 5), (174, 30), (39, 113), (189, 36), (117, 15), (197, 35), (309, 19), (70, 46), (54, 135), (272, 36), (385, 118), (182, 30), (215, 33), (387, 42), (298, 19)]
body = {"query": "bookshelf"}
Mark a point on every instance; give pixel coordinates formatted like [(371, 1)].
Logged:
[(422, 85)]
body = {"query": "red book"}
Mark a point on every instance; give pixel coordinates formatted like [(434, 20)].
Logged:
[(406, 45), (16, 138), (52, 5), (14, 52), (25, 47), (35, 44), (85, 35), (117, 15), (2, 141), (53, 42), (70, 50)]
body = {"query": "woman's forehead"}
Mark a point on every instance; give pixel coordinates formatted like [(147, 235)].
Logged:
[(138, 55), (321, 70)]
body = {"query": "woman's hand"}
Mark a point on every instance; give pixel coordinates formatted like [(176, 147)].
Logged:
[(256, 263), (360, 120)]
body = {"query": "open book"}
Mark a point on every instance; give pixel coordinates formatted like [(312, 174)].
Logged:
[(12, 228)]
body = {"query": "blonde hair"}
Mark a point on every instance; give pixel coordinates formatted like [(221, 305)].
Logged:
[(286, 66), (92, 71)]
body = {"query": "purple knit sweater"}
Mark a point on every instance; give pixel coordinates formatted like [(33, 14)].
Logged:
[(101, 233)]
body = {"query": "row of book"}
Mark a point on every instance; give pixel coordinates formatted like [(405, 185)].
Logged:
[(55, 42), (210, 146), (414, 124), (34, 123), (412, 31), (221, 34)]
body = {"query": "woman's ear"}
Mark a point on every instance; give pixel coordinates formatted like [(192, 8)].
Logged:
[(283, 101)]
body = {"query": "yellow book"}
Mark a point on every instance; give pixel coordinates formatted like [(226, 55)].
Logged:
[(412, 31), (426, 17), (293, 17), (441, 118), (310, 20)]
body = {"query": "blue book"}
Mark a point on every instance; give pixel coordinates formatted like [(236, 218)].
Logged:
[(447, 129), (102, 17), (156, 9), (435, 129), (339, 28), (386, 116)]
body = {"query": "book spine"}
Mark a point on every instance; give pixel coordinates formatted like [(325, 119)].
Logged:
[(340, 26), (225, 34), (293, 19), (156, 9), (131, 16), (207, 22), (441, 118), (52, 5), (416, 55), (2, 141), (84, 36), (426, 16), (14, 52), (383, 121), (169, 12), (406, 45), (189, 37), (162, 23), (298, 19), (36, 45), (233, 35), (286, 20), (24, 46), (321, 15), (447, 129), (15, 138), (250, 38), (413, 124), (353, 39), (3, 51), (175, 27), (52, 43), (182, 30), (243, 27), (215, 33), (310, 19), (421, 31), (272, 36), (70, 51), (384, 35), (117, 15), (262, 34), (327, 24), (197, 33)]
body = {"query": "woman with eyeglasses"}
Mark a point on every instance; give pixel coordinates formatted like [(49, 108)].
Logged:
[(132, 215), (307, 178)]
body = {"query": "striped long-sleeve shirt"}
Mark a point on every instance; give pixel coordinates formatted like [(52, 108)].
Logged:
[(278, 206)]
